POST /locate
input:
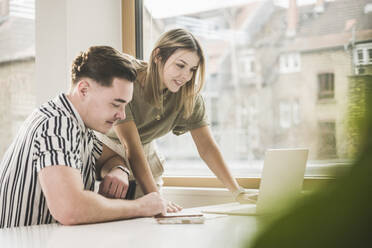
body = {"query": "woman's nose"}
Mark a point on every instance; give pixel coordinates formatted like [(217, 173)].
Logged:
[(186, 75)]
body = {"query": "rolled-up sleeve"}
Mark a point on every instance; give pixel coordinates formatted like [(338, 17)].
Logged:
[(58, 144), (197, 119)]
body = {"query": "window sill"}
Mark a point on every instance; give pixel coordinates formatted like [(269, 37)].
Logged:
[(310, 183), (326, 101)]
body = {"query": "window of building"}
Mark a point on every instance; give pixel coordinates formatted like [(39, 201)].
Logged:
[(326, 86), (363, 54), (247, 65), (290, 62), (285, 114), (327, 140), (17, 67), (289, 114)]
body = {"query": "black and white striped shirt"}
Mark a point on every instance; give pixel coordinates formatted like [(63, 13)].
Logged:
[(54, 134)]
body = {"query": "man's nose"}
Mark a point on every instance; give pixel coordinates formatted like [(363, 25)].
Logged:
[(120, 115)]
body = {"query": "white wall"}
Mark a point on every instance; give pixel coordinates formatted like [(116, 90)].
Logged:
[(63, 29)]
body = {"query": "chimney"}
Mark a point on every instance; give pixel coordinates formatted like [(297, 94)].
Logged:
[(319, 7), (4, 9), (292, 18)]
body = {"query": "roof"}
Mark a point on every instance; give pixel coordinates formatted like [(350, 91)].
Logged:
[(330, 29), (338, 17)]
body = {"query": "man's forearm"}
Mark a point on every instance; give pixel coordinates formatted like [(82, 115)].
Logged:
[(70, 204), (91, 207)]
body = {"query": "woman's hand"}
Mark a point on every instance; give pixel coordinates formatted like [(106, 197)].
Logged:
[(245, 198)]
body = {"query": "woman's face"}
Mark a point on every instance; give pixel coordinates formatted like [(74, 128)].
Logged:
[(179, 69)]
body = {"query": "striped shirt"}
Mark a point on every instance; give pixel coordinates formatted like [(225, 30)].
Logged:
[(53, 134)]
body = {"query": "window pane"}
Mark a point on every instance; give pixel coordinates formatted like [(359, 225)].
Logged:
[(360, 56), (252, 114), (17, 66)]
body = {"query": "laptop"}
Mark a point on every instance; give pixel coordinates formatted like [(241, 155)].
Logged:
[(281, 182)]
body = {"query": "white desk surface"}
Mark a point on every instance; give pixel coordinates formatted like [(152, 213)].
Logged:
[(217, 231)]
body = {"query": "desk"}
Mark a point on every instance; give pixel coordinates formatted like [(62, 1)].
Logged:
[(217, 231)]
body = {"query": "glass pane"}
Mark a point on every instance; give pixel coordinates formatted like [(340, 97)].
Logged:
[(252, 114), (17, 66), (360, 56)]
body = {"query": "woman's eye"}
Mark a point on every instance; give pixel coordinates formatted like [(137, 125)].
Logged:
[(180, 66)]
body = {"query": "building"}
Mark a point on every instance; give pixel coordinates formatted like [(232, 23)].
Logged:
[(299, 64)]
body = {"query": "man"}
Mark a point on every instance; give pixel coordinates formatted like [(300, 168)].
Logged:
[(48, 173)]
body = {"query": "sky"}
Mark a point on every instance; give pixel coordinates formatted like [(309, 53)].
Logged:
[(181, 7)]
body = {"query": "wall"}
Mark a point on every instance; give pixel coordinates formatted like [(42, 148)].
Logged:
[(305, 85), (17, 96), (63, 29)]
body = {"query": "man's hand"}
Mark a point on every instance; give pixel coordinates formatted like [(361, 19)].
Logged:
[(115, 184), (173, 207), (152, 204)]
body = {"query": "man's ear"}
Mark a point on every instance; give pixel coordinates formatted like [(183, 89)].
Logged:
[(83, 87)]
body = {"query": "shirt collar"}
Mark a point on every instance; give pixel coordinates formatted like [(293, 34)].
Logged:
[(65, 103)]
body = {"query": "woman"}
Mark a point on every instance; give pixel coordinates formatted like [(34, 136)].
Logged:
[(166, 98)]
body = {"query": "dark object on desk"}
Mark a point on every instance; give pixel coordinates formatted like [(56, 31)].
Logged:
[(180, 218), (177, 215), (131, 190)]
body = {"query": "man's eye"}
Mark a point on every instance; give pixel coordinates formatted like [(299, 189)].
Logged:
[(115, 105), (180, 66)]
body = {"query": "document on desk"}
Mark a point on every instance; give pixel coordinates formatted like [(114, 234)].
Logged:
[(186, 216)]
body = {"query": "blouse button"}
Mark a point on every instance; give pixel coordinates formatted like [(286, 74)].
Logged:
[(157, 117)]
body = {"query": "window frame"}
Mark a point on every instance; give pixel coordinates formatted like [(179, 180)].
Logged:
[(132, 33), (365, 50), (290, 62), (326, 85)]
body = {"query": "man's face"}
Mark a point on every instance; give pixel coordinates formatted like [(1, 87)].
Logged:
[(105, 105)]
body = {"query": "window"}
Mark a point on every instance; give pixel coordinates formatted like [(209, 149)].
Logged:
[(290, 63), (289, 114), (327, 139), (247, 66), (326, 86), (281, 109), (363, 54), (17, 67), (285, 114)]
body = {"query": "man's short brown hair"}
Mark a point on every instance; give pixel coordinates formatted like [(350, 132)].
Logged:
[(102, 64)]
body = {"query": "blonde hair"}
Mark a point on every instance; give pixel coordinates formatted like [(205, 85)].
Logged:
[(167, 44)]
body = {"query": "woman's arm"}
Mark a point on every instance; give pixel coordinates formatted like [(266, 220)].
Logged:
[(210, 153), (128, 134)]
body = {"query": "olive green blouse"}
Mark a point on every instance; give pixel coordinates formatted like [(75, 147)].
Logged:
[(153, 122)]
